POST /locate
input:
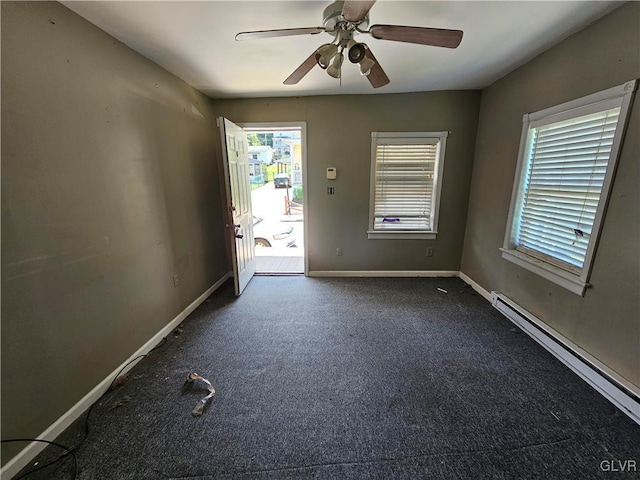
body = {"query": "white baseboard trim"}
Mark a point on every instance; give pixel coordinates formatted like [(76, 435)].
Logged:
[(27, 454), (383, 273), (619, 391), (476, 286)]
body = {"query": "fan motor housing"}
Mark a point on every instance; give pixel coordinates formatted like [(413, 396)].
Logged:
[(332, 15)]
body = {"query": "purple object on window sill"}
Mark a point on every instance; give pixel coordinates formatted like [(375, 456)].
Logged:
[(390, 219)]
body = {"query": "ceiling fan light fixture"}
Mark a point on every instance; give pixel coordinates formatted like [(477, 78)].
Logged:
[(345, 18), (356, 53), (366, 65), (335, 69), (325, 54)]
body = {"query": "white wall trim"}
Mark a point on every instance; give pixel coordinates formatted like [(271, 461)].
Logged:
[(28, 453), (476, 286), (384, 273), (550, 272), (619, 391)]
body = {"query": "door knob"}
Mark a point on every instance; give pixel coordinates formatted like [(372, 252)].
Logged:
[(236, 231)]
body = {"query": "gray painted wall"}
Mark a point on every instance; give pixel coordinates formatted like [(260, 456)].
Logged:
[(110, 186), (339, 135), (606, 322)]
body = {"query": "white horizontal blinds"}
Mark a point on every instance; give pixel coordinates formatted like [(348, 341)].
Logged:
[(404, 183), (565, 173)]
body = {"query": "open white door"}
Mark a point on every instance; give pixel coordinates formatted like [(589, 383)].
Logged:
[(240, 224)]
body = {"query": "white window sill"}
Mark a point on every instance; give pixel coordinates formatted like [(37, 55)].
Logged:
[(390, 234), (560, 277)]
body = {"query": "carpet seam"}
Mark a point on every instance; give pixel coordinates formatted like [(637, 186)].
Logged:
[(384, 460)]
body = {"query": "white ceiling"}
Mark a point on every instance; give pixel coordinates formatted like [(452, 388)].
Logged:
[(195, 41)]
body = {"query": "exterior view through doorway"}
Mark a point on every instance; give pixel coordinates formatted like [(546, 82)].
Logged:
[(277, 162)]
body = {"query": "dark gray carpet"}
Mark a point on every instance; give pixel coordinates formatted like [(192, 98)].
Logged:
[(351, 378)]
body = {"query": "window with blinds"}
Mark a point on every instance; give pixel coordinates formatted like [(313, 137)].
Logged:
[(406, 168), (563, 183), (565, 170)]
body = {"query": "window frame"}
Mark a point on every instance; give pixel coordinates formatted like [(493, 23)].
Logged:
[(441, 138), (576, 281)]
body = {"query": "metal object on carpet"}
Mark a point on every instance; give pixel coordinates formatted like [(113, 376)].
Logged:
[(196, 380)]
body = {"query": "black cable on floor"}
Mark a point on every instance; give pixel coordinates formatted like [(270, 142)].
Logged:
[(59, 445), (86, 423)]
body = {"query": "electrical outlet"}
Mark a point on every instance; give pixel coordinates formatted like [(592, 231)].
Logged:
[(331, 190), (430, 252), (339, 251), (176, 280)]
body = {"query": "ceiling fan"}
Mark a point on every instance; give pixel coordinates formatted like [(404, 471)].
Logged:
[(343, 20)]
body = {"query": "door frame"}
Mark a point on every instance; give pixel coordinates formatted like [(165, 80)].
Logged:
[(305, 193)]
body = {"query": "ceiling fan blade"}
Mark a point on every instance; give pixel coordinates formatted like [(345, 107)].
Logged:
[(437, 37), (283, 32), (377, 77), (356, 10), (303, 69)]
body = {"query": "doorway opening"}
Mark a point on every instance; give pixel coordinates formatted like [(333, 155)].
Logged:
[(277, 162)]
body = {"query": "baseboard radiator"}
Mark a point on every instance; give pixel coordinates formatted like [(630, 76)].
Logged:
[(615, 389)]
